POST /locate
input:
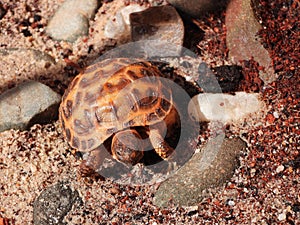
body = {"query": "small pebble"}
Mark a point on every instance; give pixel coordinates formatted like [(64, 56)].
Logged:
[(252, 172), (279, 169), (276, 191), (115, 191), (282, 216), (231, 203), (276, 115)]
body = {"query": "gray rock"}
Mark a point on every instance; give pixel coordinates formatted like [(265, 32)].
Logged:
[(53, 204), (71, 20), (197, 7), (162, 24), (210, 168), (27, 104), (242, 40)]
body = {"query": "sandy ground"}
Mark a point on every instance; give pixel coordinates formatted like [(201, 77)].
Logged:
[(264, 190)]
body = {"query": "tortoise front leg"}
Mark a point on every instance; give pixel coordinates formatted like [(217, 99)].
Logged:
[(162, 148)]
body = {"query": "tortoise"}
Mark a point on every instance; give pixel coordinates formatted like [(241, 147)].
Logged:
[(122, 99)]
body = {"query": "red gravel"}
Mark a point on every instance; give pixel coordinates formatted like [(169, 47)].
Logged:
[(281, 33), (265, 189)]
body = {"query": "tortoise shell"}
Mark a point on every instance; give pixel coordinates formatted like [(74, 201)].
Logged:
[(110, 96)]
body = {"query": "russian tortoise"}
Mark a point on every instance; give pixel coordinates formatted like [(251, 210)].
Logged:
[(122, 99)]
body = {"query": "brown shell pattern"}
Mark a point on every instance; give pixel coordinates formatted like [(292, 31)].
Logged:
[(110, 96)]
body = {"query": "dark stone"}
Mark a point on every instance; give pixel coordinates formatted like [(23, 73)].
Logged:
[(197, 8), (53, 204), (228, 77), (2, 11)]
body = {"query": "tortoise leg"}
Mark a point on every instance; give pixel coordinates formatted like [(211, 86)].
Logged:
[(91, 162), (162, 148)]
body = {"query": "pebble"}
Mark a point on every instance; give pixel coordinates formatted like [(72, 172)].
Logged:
[(281, 216), (276, 115), (241, 38), (118, 27), (211, 167), (225, 108), (71, 20), (231, 203), (115, 191), (196, 7), (279, 169), (29, 103), (162, 24), (53, 204)]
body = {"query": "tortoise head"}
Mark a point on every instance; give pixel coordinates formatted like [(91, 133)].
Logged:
[(127, 147)]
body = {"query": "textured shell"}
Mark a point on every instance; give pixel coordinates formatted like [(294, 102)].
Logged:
[(110, 96)]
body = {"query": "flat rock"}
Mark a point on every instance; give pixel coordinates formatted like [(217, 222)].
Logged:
[(211, 167), (27, 104), (53, 204), (242, 40), (225, 108), (71, 20), (161, 23), (196, 7)]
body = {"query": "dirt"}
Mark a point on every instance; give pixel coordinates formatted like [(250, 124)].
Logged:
[(264, 189)]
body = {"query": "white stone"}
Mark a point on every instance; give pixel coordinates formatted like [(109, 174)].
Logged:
[(115, 27), (231, 203), (224, 108), (279, 169), (282, 216), (119, 25), (276, 115)]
